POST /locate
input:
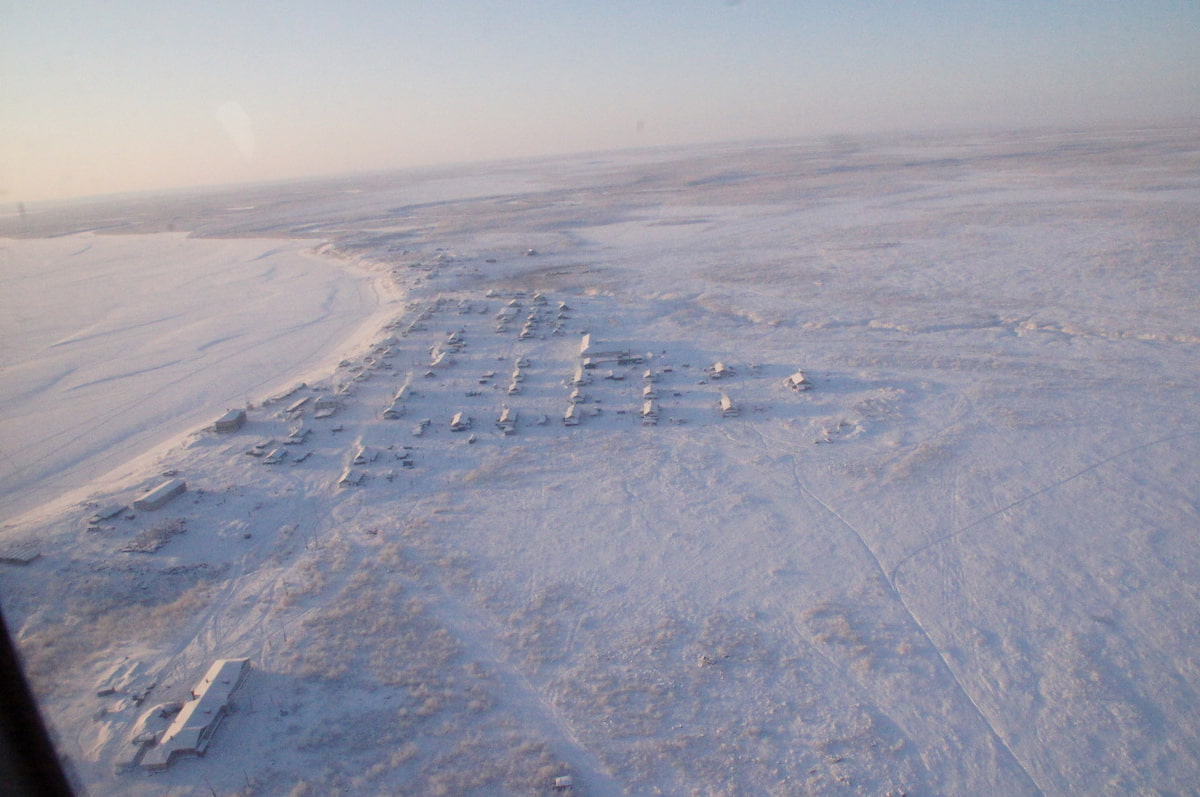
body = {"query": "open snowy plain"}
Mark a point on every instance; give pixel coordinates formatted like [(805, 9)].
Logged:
[(966, 560)]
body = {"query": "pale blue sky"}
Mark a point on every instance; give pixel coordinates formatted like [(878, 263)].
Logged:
[(97, 97)]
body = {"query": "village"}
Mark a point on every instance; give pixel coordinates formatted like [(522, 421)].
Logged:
[(745, 472), (451, 377), (457, 370)]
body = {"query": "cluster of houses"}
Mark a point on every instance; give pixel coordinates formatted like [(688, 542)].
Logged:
[(597, 359), (537, 313), (193, 722), (593, 354)]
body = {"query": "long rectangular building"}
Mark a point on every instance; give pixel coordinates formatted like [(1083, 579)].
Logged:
[(194, 725), (595, 349)]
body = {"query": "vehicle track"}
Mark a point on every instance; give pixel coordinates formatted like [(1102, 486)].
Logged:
[(899, 598), (895, 594), (891, 576)]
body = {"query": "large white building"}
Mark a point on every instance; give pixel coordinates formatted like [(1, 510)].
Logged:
[(194, 725)]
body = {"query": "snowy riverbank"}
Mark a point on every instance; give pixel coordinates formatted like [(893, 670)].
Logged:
[(114, 344)]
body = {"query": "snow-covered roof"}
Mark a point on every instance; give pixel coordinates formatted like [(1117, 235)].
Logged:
[(193, 726)]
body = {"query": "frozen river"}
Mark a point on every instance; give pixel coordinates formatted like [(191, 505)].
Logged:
[(110, 345)]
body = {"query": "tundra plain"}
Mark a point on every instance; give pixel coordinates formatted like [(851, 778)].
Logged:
[(964, 560)]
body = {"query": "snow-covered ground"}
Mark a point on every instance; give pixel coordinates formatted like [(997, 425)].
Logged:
[(964, 562)]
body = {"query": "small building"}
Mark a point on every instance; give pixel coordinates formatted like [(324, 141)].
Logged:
[(231, 421), (106, 513), (576, 396), (798, 381), (352, 477), (649, 413), (325, 407), (460, 422), (21, 553), (719, 370), (193, 727), (507, 422), (728, 409), (261, 448), (363, 455), (648, 392), (297, 406), (160, 495), (571, 416), (579, 378)]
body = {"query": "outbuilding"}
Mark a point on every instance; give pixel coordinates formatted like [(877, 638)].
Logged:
[(507, 422), (297, 406), (231, 421), (719, 370), (160, 495), (325, 407), (571, 416), (798, 381), (728, 409)]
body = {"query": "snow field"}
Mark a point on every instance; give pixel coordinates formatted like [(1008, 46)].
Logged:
[(960, 563)]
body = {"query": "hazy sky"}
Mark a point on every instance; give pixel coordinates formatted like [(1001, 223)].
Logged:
[(98, 96)]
